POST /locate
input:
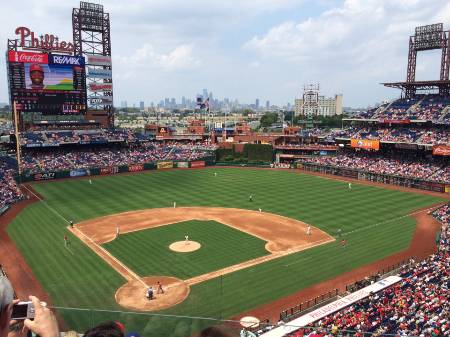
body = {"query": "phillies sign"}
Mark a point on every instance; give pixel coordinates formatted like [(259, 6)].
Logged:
[(100, 86), (66, 60), (48, 42), (26, 57)]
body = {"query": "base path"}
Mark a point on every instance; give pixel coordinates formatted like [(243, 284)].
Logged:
[(284, 236)]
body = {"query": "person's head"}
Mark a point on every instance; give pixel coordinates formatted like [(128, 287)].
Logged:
[(106, 329), (6, 298), (36, 74)]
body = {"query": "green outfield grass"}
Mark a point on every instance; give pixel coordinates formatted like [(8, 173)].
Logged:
[(372, 219), (147, 252)]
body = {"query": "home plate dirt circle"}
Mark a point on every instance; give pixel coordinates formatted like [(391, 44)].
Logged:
[(132, 294), (185, 246)]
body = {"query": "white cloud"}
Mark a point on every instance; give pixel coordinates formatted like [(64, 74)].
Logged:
[(360, 31), (180, 58)]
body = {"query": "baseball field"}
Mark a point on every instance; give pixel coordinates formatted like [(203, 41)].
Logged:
[(248, 252)]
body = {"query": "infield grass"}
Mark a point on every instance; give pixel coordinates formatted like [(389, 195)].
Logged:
[(147, 252), (372, 219)]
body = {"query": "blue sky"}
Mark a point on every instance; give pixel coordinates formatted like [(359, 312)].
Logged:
[(248, 49)]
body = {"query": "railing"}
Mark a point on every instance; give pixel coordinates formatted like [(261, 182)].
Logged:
[(308, 305)]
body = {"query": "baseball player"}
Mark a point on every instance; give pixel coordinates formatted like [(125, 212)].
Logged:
[(90, 181), (349, 186), (149, 293), (66, 241), (117, 231), (260, 210), (186, 239), (174, 204), (160, 289), (250, 198), (71, 224), (343, 243), (308, 230), (215, 174)]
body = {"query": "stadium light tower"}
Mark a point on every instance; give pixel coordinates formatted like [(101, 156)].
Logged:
[(428, 37), (310, 105), (92, 39)]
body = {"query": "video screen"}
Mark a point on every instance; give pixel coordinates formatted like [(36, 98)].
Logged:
[(48, 83)]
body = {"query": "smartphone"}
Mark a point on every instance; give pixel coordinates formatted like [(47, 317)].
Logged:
[(23, 310)]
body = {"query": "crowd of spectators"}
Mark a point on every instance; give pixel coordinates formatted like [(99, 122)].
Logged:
[(98, 136), (416, 306), (39, 161), (9, 191), (418, 169), (399, 134), (428, 107)]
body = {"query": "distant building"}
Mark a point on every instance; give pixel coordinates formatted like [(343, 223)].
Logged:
[(327, 106), (267, 104), (141, 105), (257, 103)]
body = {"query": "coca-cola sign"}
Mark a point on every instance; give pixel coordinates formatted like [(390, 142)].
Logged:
[(46, 42), (27, 57)]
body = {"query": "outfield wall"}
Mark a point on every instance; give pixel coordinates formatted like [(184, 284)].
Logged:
[(376, 177), (108, 170)]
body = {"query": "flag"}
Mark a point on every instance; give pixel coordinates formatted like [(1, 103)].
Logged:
[(205, 105)]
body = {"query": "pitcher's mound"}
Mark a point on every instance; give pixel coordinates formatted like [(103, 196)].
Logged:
[(185, 246), (132, 294)]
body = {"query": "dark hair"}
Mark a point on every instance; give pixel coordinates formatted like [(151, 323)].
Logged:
[(106, 329), (214, 332)]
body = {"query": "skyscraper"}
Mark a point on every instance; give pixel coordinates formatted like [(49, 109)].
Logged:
[(141, 105), (257, 103), (267, 104)]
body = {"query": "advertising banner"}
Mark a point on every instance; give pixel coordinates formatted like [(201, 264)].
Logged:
[(109, 170), (366, 144), (27, 57), (441, 150), (99, 60), (198, 163), (162, 129), (99, 73), (165, 165), (100, 86), (135, 168), (394, 121), (66, 60), (182, 164), (79, 173), (44, 176)]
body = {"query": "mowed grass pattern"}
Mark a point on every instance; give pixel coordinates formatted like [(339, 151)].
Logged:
[(370, 217), (147, 252)]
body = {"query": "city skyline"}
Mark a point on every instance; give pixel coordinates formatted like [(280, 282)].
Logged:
[(254, 49)]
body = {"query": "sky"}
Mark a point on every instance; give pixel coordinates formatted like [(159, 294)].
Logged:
[(247, 49)]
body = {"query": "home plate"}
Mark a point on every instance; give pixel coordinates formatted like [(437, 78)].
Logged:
[(249, 322)]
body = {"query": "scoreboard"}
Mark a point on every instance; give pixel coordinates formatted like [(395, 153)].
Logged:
[(47, 84)]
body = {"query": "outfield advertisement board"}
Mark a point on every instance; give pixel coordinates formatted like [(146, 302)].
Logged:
[(198, 163), (109, 170), (44, 176), (183, 164), (79, 173), (366, 144), (165, 165), (136, 168)]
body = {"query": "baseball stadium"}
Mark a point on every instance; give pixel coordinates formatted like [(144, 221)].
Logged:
[(219, 230)]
